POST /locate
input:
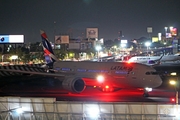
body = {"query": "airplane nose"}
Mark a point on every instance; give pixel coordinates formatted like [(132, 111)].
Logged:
[(158, 81)]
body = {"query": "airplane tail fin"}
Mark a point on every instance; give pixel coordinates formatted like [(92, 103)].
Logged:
[(48, 51), (158, 62)]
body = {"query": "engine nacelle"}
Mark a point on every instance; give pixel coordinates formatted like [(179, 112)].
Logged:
[(151, 62), (75, 85)]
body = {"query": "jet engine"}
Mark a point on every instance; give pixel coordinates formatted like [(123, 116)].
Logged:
[(151, 62), (75, 85)]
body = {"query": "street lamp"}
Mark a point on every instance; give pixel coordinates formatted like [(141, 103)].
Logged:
[(147, 44)]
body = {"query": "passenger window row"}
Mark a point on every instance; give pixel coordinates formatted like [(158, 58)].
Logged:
[(91, 70)]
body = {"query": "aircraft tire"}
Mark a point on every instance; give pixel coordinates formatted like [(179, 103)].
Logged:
[(145, 95)]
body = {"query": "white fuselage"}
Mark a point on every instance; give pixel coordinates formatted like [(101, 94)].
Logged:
[(120, 74), (170, 58), (143, 59), (146, 59)]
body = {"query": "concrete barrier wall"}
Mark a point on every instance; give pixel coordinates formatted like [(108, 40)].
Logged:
[(17, 108)]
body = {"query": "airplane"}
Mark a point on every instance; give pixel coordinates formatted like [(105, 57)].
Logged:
[(155, 59), (149, 60), (105, 76)]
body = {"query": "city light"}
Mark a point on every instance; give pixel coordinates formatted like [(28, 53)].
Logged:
[(147, 44), (172, 82)]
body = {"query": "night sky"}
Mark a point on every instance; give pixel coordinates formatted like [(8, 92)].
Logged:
[(132, 17)]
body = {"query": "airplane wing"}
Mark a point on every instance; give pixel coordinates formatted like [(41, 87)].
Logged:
[(12, 71)]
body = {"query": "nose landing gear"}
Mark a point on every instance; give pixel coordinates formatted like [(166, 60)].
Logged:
[(146, 92)]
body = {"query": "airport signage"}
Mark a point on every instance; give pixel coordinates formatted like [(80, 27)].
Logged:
[(11, 39)]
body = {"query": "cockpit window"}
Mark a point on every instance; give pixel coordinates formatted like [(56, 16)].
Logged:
[(151, 73), (154, 73), (148, 73)]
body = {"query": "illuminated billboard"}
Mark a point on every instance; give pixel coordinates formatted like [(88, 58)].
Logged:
[(168, 35), (92, 32), (61, 39), (124, 41), (155, 39), (149, 30), (173, 31), (11, 39)]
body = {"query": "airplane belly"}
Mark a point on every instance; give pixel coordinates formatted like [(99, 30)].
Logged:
[(122, 81), (152, 81)]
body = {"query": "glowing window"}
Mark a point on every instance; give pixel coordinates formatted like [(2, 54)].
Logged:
[(121, 72), (57, 69), (94, 70), (81, 70), (104, 71), (65, 69)]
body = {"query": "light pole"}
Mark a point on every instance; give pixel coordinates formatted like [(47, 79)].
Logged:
[(147, 44), (165, 30), (2, 57), (123, 45), (176, 85), (98, 48)]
